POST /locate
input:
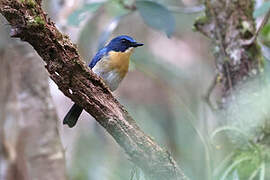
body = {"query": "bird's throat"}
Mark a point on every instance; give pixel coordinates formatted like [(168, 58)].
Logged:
[(119, 61)]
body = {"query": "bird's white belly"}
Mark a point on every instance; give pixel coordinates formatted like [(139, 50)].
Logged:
[(111, 78)]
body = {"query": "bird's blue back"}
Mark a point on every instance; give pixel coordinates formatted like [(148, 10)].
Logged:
[(100, 54)]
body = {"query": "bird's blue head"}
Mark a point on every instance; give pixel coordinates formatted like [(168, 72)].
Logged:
[(122, 43)]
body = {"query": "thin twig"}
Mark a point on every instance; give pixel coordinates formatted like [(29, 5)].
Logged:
[(220, 42), (209, 92), (228, 74), (187, 10), (263, 23)]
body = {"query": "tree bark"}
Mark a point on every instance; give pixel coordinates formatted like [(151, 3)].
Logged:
[(30, 146), (78, 82), (231, 27)]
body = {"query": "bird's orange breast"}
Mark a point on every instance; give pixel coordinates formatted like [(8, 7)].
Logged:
[(119, 61)]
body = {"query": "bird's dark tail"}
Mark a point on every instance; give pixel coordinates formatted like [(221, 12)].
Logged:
[(73, 115)]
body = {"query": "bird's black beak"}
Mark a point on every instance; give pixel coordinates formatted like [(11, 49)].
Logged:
[(135, 44)]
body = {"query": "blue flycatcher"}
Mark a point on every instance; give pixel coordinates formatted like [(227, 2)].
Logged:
[(111, 64)]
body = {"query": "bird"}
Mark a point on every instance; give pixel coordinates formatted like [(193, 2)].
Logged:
[(111, 64)]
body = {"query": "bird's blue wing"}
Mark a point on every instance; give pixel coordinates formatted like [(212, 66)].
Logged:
[(100, 54)]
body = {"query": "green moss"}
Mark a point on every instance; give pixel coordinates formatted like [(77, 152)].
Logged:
[(33, 11), (201, 20), (38, 20), (31, 3)]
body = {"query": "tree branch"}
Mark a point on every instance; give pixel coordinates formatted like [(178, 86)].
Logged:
[(79, 83), (230, 23)]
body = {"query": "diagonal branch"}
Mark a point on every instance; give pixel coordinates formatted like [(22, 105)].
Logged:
[(79, 83)]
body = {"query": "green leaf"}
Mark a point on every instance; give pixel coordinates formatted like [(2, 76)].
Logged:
[(157, 16), (232, 166), (262, 9), (78, 15), (266, 30), (226, 128), (262, 173), (265, 35)]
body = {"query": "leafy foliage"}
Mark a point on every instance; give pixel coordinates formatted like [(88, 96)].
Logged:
[(156, 16), (80, 14), (265, 35)]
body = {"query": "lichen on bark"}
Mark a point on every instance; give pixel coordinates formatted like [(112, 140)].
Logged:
[(229, 24)]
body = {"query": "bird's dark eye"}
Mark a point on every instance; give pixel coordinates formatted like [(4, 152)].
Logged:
[(124, 41)]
